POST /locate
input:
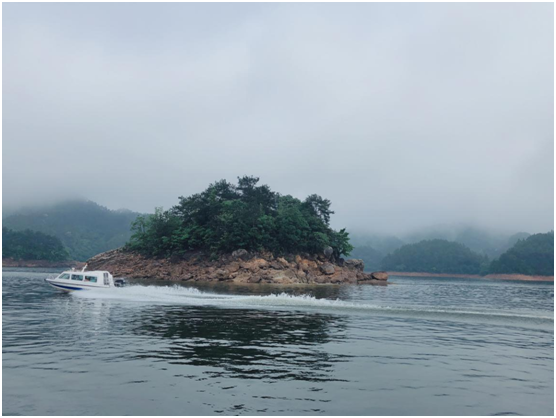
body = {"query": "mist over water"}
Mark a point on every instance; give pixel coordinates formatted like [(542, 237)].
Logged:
[(444, 346)]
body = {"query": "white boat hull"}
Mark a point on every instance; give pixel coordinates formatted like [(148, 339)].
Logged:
[(71, 287)]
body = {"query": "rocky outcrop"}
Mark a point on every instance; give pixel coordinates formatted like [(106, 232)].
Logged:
[(237, 267), (379, 275)]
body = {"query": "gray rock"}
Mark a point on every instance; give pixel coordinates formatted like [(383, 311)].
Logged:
[(328, 251), (327, 268), (380, 275), (276, 265), (240, 254), (221, 273), (355, 264)]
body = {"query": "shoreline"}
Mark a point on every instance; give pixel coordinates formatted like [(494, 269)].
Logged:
[(521, 277)]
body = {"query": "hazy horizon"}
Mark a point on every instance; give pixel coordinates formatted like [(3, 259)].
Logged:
[(405, 116)]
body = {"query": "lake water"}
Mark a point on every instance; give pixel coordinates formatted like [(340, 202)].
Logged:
[(421, 346)]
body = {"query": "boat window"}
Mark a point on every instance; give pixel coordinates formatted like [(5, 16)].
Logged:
[(76, 277), (91, 279), (106, 281), (64, 276)]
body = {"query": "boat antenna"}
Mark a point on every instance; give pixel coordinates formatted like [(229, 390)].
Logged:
[(84, 267)]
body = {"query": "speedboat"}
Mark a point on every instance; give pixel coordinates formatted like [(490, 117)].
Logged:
[(71, 280)]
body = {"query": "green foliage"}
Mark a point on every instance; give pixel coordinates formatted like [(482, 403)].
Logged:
[(533, 256), (31, 245), (226, 217), (85, 228), (435, 256)]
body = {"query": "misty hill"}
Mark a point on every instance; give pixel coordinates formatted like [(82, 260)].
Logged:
[(533, 256), (372, 248), (227, 217), (32, 245), (435, 256), (84, 227), (371, 258), (482, 241)]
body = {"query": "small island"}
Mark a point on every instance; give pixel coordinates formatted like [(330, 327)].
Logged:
[(243, 233)]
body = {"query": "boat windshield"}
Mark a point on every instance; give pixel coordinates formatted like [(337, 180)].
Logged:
[(64, 276)]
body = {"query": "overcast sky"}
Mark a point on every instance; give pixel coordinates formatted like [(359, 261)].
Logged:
[(404, 115)]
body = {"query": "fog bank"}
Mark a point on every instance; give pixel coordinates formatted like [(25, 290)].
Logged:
[(403, 115)]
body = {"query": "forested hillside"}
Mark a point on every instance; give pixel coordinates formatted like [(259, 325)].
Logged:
[(436, 256), (533, 256), (372, 248), (483, 241), (84, 227), (31, 245)]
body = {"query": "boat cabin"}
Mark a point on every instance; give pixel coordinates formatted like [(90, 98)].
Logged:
[(71, 280), (92, 278)]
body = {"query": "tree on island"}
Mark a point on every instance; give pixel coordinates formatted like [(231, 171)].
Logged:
[(32, 245), (436, 256), (226, 217)]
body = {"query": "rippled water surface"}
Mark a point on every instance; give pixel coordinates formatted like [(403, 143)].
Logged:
[(421, 346)]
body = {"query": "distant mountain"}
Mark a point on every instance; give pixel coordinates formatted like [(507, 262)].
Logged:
[(372, 248), (31, 245), (84, 227), (483, 241), (436, 256), (371, 257), (533, 255), (513, 239)]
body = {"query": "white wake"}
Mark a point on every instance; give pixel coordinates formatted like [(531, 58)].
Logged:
[(179, 295)]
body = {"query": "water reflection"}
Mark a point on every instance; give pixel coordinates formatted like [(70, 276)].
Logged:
[(242, 343)]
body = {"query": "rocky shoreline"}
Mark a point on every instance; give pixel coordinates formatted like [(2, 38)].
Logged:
[(238, 267)]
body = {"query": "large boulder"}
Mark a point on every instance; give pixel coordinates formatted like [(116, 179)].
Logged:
[(328, 251), (327, 268), (221, 274), (355, 264), (380, 275), (283, 262), (240, 254), (276, 265), (233, 267), (261, 263)]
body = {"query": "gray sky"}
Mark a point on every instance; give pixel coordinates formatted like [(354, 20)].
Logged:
[(404, 115)]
